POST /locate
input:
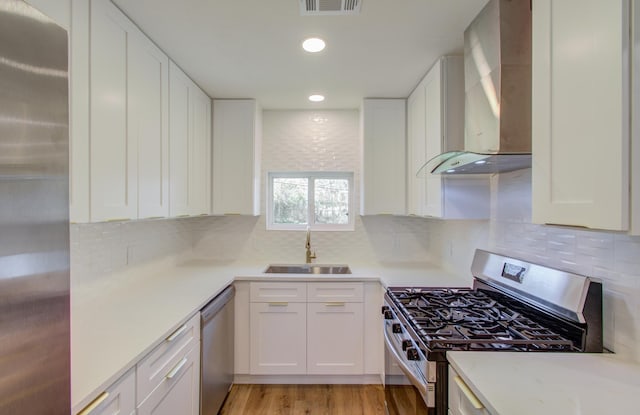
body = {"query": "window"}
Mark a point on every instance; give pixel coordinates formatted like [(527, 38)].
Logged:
[(319, 200)]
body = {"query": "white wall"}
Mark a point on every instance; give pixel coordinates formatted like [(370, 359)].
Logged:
[(612, 257)]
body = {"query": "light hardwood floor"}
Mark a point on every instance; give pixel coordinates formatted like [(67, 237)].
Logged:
[(305, 399)]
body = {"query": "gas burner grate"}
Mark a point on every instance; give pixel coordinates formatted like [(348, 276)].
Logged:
[(466, 319)]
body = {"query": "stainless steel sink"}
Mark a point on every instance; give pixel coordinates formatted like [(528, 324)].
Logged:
[(308, 269)]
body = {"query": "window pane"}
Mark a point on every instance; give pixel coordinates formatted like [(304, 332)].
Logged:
[(290, 200), (332, 201)]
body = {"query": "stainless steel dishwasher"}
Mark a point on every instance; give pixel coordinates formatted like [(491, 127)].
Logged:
[(217, 352)]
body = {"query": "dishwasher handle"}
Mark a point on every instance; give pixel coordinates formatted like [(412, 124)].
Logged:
[(211, 309)]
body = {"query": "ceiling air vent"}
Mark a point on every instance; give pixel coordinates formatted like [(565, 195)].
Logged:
[(329, 7)]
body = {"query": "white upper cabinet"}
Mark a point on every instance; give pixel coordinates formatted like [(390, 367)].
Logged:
[(148, 109), (435, 118), (189, 146), (416, 150), (121, 154), (201, 166), (581, 134), (180, 90), (113, 151), (383, 129), (237, 130), (79, 114)]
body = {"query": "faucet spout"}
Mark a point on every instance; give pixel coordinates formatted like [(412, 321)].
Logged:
[(309, 255)]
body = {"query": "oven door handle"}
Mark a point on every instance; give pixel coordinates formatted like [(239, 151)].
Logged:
[(421, 386)]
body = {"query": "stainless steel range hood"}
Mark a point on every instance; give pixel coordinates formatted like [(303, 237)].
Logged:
[(497, 69)]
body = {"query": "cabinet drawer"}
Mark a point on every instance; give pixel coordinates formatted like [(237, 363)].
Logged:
[(265, 292), (462, 400), (179, 389), (119, 399), (347, 292), (155, 366)]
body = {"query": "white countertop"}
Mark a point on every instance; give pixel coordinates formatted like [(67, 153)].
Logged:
[(511, 383), (118, 319)]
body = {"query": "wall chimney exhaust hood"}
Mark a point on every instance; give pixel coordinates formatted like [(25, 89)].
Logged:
[(497, 72)]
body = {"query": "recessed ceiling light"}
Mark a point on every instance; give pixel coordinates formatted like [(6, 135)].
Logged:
[(313, 44), (316, 98)]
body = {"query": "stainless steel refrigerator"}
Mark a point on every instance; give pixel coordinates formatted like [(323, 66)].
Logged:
[(34, 214)]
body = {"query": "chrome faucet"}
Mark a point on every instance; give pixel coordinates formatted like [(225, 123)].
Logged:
[(310, 256)]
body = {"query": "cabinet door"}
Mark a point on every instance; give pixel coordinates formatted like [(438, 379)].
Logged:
[(335, 338), (580, 109), (200, 175), (433, 138), (235, 141), (148, 119), (79, 116), (180, 391), (278, 338), (384, 151), (416, 150), (179, 131), (119, 399), (113, 152)]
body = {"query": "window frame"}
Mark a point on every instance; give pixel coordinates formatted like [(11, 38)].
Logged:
[(310, 176)]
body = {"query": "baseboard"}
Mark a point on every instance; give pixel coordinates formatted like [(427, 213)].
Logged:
[(308, 379)]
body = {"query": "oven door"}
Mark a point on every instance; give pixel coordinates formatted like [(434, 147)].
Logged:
[(406, 390)]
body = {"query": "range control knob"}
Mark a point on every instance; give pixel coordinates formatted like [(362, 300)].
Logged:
[(388, 315), (396, 328), (385, 308), (412, 354), (406, 344)]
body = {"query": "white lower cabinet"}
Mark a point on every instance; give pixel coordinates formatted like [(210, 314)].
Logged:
[(334, 338), (278, 322), (164, 382), (168, 378), (462, 401), (314, 328), (119, 399), (179, 392), (278, 338)]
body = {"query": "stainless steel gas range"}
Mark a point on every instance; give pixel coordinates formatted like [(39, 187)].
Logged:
[(514, 305)]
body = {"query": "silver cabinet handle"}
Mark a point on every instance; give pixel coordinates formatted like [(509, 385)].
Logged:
[(94, 404), (475, 402), (176, 368), (176, 333), (335, 304)]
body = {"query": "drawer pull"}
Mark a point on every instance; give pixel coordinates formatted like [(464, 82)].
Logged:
[(279, 304), (94, 404), (467, 392), (176, 333), (117, 220), (335, 304), (176, 368)]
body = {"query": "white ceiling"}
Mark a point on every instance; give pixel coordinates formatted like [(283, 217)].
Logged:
[(251, 48)]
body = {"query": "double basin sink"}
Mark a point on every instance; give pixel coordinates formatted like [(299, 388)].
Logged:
[(308, 269)]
